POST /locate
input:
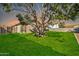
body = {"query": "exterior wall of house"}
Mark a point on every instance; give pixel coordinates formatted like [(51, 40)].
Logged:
[(14, 29), (28, 28), (18, 28), (21, 29)]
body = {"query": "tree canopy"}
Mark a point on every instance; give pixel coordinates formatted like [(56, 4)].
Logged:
[(48, 11)]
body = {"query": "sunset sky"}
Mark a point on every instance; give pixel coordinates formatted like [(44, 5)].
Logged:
[(8, 16)]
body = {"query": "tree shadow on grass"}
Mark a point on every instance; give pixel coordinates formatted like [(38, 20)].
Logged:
[(24, 47)]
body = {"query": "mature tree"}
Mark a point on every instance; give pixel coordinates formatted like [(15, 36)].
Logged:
[(39, 20), (47, 12), (6, 7)]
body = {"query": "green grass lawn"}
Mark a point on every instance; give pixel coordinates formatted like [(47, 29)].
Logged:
[(54, 43)]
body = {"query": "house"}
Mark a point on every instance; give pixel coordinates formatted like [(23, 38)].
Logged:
[(14, 26), (19, 28)]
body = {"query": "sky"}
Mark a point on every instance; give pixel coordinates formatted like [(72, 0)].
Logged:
[(18, 9)]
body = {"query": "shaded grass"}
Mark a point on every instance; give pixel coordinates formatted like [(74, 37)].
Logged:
[(53, 43)]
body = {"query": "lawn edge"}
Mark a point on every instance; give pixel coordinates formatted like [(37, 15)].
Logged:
[(76, 37)]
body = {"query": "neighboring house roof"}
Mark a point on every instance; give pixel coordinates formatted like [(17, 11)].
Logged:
[(70, 25)]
